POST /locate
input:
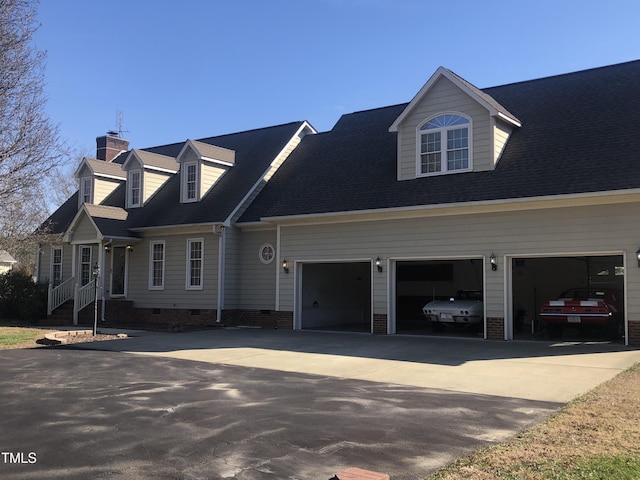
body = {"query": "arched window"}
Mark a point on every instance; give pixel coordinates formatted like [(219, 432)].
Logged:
[(444, 144)]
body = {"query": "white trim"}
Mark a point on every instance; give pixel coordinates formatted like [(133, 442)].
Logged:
[(81, 263), (151, 265), (305, 126), (508, 279), (297, 283), (392, 262), (83, 182), (188, 285), (463, 208), (51, 264), (130, 175), (278, 269), (443, 72), (110, 177), (159, 169), (222, 247), (126, 272), (184, 190), (219, 162), (262, 249), (443, 145)]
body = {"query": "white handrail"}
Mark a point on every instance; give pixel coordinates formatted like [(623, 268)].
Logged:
[(60, 294), (86, 295)]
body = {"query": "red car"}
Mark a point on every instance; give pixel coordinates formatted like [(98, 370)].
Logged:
[(585, 307)]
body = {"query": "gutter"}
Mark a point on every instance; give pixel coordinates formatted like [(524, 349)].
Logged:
[(220, 231), (459, 208)]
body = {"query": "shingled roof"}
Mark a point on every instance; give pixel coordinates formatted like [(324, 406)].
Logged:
[(579, 135), (254, 152)]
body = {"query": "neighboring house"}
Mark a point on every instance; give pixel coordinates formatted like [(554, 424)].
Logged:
[(6, 262), (519, 191)]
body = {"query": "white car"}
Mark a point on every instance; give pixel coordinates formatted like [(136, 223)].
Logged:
[(466, 308)]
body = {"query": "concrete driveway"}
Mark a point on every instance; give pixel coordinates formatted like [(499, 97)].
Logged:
[(277, 405)]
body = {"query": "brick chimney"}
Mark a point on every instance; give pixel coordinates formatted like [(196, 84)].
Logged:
[(110, 146)]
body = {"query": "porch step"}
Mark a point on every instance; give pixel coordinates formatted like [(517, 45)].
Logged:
[(63, 315)]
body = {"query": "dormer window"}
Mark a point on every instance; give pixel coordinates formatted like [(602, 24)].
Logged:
[(87, 189), (134, 184), (201, 166), (444, 145), (190, 182)]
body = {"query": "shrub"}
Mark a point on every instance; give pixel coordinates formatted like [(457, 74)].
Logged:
[(21, 298)]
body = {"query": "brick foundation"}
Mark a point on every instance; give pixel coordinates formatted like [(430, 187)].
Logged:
[(123, 314), (258, 318), (495, 328), (380, 323), (634, 333)]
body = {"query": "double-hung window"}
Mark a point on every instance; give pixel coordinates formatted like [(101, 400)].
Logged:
[(134, 188), (85, 265), (444, 145), (86, 185), (190, 182), (56, 266), (156, 265), (195, 263)]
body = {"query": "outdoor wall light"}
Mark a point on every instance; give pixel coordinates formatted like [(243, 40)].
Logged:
[(493, 261), (379, 264), (107, 248), (285, 266), (638, 256), (130, 248)]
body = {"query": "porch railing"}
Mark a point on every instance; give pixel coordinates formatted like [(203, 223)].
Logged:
[(84, 296), (60, 294)]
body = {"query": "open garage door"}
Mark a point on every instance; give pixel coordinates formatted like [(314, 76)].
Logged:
[(336, 296), (578, 284), (442, 284)]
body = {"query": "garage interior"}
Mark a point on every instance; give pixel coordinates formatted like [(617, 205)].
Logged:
[(336, 296), (419, 282), (538, 279)]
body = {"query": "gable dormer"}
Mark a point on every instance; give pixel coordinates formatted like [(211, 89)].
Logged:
[(97, 180), (201, 166), (146, 172), (450, 127)]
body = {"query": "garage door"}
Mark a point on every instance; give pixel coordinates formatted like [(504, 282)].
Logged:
[(336, 296), (436, 282), (587, 278)]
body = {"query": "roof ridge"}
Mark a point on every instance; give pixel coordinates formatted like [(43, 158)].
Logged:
[(557, 75)]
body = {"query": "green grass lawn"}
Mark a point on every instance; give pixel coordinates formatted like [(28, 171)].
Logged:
[(20, 337)]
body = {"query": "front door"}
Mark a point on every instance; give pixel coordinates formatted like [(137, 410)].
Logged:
[(118, 271)]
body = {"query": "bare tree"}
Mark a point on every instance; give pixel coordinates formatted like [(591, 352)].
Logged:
[(30, 146)]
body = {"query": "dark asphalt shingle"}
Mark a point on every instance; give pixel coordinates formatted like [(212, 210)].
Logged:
[(579, 134)]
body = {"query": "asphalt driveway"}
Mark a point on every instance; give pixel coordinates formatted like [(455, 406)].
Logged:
[(77, 412)]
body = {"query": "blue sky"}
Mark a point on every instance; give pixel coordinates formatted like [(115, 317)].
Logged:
[(197, 68)]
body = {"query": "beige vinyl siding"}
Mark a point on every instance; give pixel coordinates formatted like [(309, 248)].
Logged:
[(233, 260), (548, 232), (45, 272), (84, 231), (174, 294), (152, 181), (501, 135), (102, 188), (444, 96), (209, 175), (256, 285)]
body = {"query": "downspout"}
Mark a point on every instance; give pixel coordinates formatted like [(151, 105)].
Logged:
[(104, 275), (278, 263), (220, 231)]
